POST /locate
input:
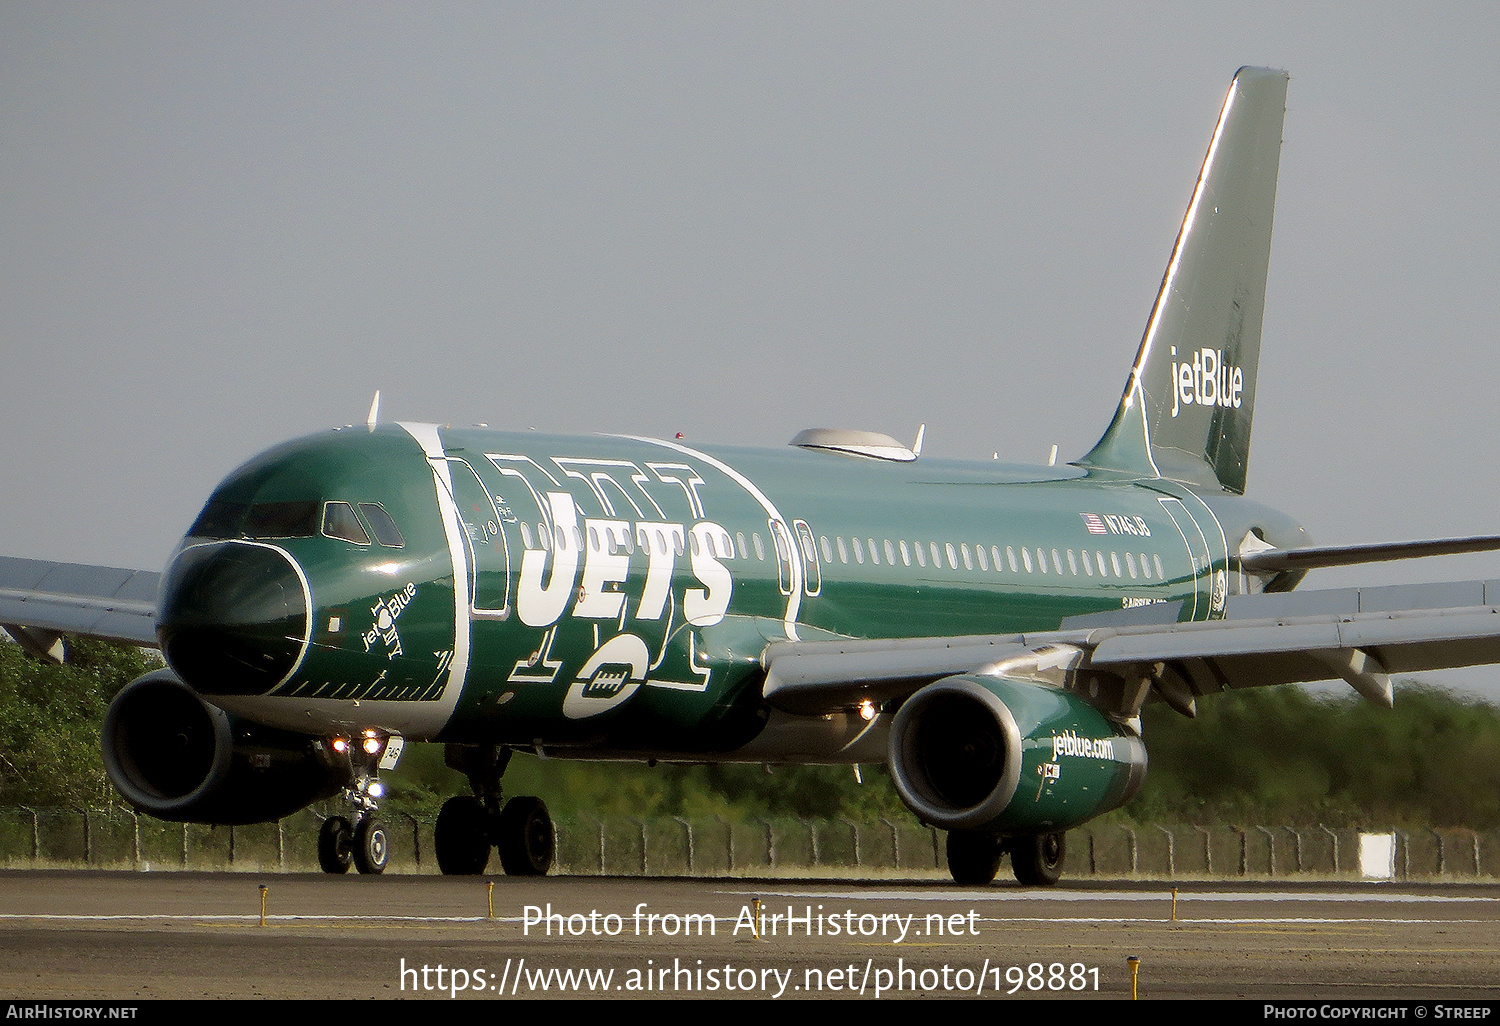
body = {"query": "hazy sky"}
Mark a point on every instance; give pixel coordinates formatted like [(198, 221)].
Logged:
[(227, 224)]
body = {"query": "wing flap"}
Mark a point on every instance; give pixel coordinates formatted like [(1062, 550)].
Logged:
[(1360, 635), (109, 603)]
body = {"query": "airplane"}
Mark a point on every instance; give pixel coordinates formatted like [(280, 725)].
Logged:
[(989, 631)]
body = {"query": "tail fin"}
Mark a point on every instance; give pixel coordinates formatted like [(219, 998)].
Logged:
[(1185, 414)]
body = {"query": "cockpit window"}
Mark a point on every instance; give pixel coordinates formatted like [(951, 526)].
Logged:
[(386, 531), (221, 519), (281, 520), (339, 521)]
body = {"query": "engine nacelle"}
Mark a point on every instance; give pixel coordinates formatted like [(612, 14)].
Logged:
[(175, 757), (1004, 756)]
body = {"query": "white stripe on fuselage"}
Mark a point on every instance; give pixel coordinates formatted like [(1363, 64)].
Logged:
[(426, 436)]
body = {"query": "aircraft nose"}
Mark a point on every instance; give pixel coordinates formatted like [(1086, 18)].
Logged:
[(234, 617)]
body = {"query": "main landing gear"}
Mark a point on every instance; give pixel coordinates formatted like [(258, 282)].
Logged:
[(1036, 859), (359, 839), (468, 827)]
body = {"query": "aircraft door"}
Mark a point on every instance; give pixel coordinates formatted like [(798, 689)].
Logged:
[(488, 555), (781, 540), (812, 577)]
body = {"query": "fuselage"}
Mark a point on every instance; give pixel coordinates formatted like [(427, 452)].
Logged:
[(614, 595)]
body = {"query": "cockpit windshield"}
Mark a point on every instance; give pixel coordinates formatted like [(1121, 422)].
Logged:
[(221, 519)]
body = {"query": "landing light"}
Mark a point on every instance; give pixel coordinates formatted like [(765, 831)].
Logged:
[(340, 745), (376, 789), (867, 710)]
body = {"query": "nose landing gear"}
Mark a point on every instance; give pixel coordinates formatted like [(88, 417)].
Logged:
[(362, 843)]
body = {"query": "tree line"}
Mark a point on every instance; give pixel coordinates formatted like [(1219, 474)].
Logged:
[(1268, 755)]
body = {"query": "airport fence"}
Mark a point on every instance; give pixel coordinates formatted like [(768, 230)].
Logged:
[(672, 846)]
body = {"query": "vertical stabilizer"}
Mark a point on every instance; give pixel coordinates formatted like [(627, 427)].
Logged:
[(1185, 414)]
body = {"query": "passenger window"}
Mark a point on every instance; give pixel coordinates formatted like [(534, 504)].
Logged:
[(984, 563), (1072, 564), (874, 552), (827, 549), (386, 531), (995, 555), (526, 534), (1057, 562), (859, 552), (963, 550), (905, 555), (890, 552), (1160, 575), (1130, 565), (843, 552), (1026, 558), (340, 522), (760, 549), (739, 536), (921, 553)]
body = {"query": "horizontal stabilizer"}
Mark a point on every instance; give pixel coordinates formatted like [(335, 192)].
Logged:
[(1272, 561)]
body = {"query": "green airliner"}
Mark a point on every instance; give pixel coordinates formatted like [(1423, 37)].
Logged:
[(989, 631)]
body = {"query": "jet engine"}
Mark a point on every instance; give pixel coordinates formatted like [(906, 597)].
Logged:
[(175, 757), (1010, 757)]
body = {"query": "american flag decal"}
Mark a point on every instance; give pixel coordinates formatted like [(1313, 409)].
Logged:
[(1094, 523)]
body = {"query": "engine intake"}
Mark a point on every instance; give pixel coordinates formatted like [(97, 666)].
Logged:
[(1005, 756), (175, 757)]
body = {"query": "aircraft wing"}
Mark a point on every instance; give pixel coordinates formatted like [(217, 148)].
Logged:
[(41, 601), (1359, 635)]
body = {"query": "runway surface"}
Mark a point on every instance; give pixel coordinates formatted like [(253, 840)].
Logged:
[(68, 935)]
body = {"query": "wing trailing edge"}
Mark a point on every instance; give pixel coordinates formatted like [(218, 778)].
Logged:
[(40, 601), (1363, 636)]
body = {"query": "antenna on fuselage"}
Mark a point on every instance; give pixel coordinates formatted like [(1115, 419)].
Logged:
[(374, 417)]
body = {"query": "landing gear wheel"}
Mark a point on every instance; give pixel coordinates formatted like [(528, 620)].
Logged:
[(973, 858), (335, 845), (462, 842), (372, 848), (527, 839), (1037, 859)]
